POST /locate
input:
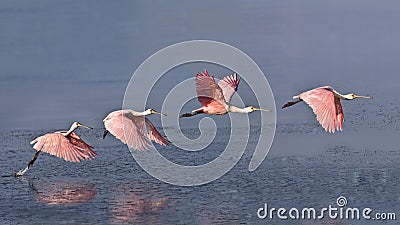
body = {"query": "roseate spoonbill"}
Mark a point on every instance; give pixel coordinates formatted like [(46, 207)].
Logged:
[(215, 97), (325, 103), (133, 129), (63, 144)]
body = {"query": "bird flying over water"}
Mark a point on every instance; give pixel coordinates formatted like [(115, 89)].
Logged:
[(325, 103), (63, 144), (133, 128), (215, 97)]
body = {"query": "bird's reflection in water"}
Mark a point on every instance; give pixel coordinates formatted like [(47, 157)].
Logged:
[(209, 216), (63, 192), (132, 202)]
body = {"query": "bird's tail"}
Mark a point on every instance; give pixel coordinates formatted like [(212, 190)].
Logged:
[(291, 103)]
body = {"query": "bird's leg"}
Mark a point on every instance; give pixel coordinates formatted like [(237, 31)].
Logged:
[(188, 115), (21, 172), (105, 133), (193, 113), (291, 103)]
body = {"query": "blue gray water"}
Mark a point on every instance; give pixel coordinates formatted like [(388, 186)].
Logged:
[(305, 167), (64, 61), (113, 189)]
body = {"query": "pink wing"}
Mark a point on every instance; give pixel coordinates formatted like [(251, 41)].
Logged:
[(209, 94), (154, 135), (118, 121), (136, 134), (326, 106), (339, 113), (78, 142), (229, 85), (71, 148)]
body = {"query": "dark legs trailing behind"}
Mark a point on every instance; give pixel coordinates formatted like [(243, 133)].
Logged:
[(105, 133), (291, 103), (21, 172), (195, 112)]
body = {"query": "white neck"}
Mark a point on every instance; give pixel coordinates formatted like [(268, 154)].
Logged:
[(144, 113), (348, 97), (338, 95), (73, 127), (238, 110)]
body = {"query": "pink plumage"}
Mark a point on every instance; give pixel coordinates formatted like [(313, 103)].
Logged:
[(229, 85), (70, 148), (325, 103), (62, 144), (214, 97), (135, 131), (326, 106)]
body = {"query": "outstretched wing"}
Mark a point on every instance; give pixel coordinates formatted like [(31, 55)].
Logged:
[(78, 142), (209, 93), (71, 148), (326, 107), (138, 130), (154, 135), (229, 85), (122, 120)]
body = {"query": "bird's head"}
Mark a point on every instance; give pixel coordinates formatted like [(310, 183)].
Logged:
[(77, 124), (250, 109), (152, 111), (352, 96), (74, 126)]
